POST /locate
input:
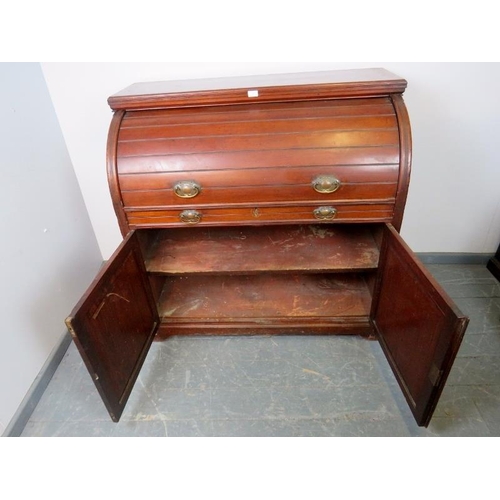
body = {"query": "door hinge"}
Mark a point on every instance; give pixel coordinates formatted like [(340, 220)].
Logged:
[(435, 375)]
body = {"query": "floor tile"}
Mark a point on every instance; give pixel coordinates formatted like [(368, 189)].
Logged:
[(475, 370), (306, 427), (155, 428), (461, 281), (484, 344), (57, 428), (457, 401), (487, 401), (170, 404), (190, 428), (455, 427), (296, 371), (75, 400), (484, 314)]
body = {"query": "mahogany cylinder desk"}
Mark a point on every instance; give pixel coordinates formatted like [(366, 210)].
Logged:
[(264, 205)]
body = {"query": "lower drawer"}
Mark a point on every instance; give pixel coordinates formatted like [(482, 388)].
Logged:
[(257, 216)]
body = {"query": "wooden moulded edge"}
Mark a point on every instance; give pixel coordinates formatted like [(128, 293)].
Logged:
[(266, 88)]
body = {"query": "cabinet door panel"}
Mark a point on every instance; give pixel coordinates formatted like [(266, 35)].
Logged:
[(418, 325), (114, 323)]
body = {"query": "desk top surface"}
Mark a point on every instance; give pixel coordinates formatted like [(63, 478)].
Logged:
[(258, 88)]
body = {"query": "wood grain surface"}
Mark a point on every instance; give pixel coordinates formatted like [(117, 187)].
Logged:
[(302, 303), (251, 250), (278, 87)]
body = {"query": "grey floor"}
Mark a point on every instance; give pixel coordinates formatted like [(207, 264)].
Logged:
[(289, 386)]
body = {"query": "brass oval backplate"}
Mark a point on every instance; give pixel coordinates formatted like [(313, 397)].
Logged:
[(325, 184), (325, 213), (190, 216), (187, 189)]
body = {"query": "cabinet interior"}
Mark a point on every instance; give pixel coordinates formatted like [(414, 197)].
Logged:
[(263, 279)]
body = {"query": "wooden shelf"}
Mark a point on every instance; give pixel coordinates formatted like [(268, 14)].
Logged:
[(298, 301), (248, 250)]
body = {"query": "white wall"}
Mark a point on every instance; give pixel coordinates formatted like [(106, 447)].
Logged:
[(454, 200), (48, 251)]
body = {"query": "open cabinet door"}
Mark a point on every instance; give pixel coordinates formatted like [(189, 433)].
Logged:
[(114, 323), (418, 325)]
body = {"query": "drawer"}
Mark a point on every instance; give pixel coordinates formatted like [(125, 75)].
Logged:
[(222, 187), (259, 215)]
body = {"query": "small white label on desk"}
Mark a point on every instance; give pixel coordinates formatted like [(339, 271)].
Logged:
[(253, 93)]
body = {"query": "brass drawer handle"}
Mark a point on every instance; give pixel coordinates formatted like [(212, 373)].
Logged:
[(187, 189), (190, 216), (325, 213), (325, 184)]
